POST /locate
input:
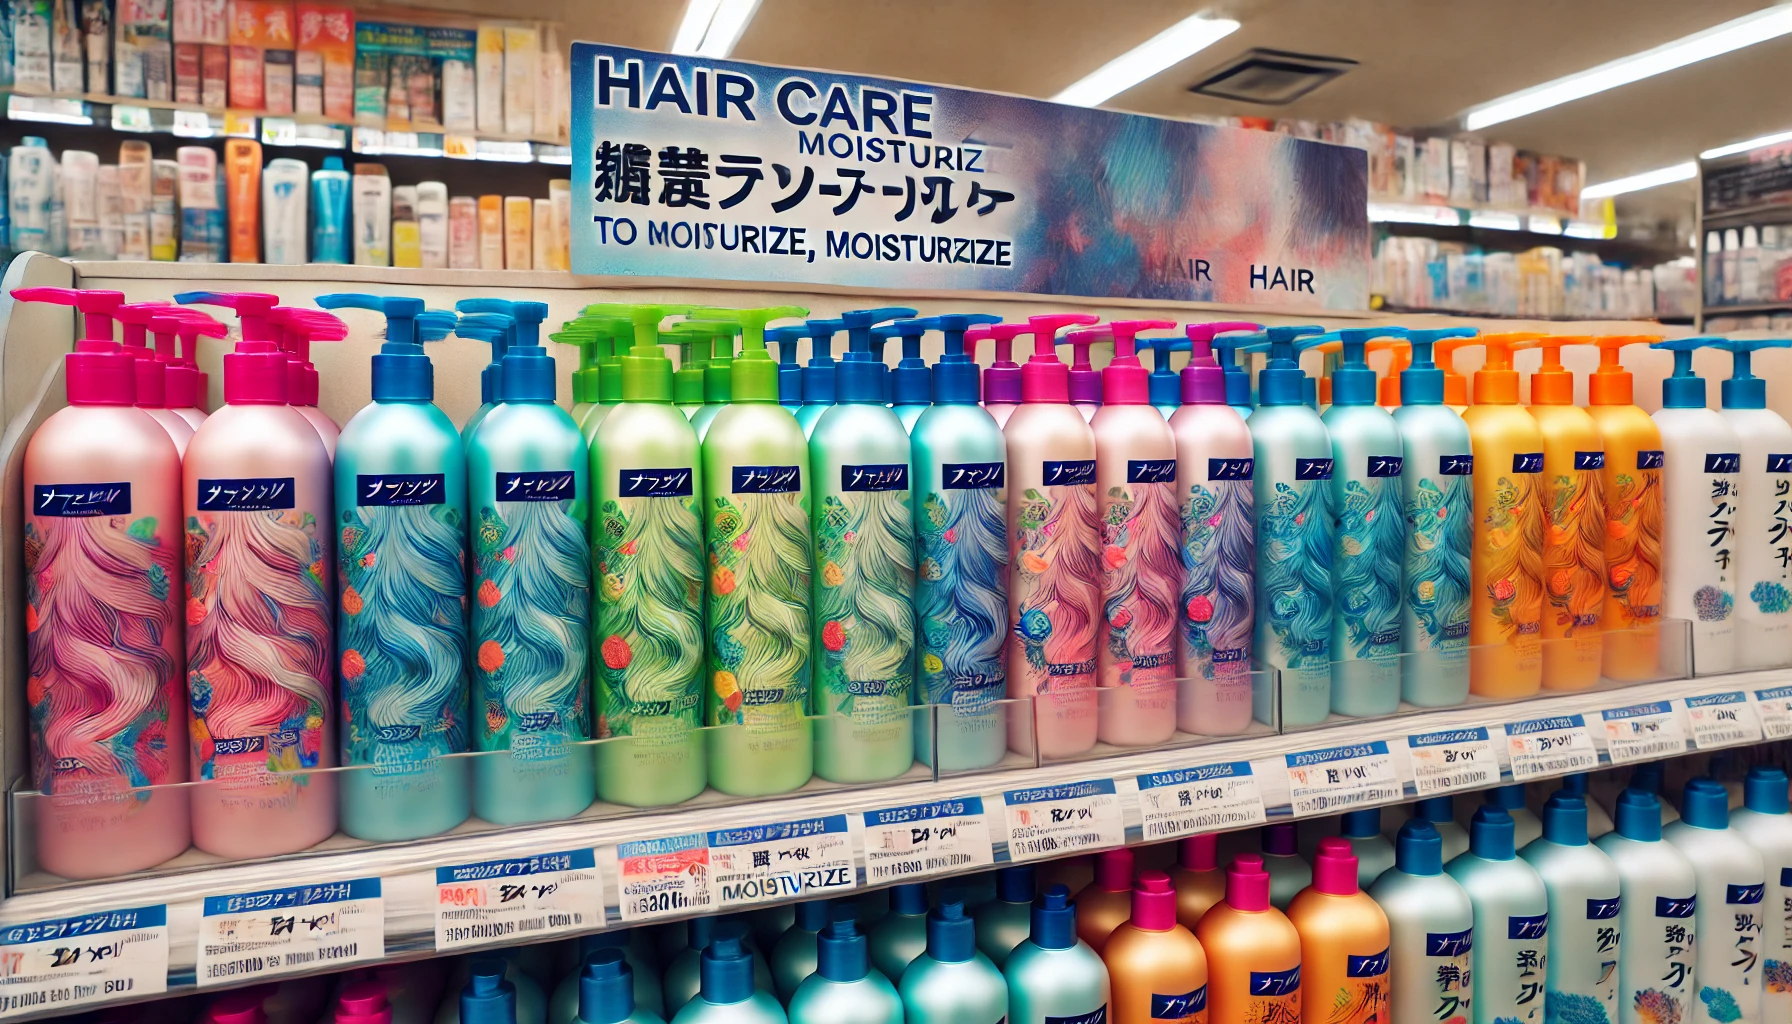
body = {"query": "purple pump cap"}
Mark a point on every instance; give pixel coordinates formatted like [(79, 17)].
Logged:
[(1001, 381), (1203, 382), (1085, 379)]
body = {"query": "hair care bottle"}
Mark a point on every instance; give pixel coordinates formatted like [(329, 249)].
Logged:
[(1054, 976), (103, 615), (952, 983), (177, 331), (1598, 821), (401, 499), (1344, 940), (911, 382), (1214, 463), (1702, 482), (1763, 823), (756, 507), (1054, 593), (1732, 886), (1104, 903), (1526, 826), (959, 466), (1003, 923), (1437, 479), (1440, 811), (495, 329), (529, 498), (647, 537), (1369, 503), (634, 950), (718, 374), (1584, 927), (1158, 969), (864, 583), (1431, 931), (149, 376), (1238, 376), (1253, 952), (1198, 879), (843, 988), (790, 372), (330, 220), (687, 380), (605, 988), (818, 373), (296, 329), (683, 977), (492, 989), (257, 496), (1658, 887), (1165, 384), (1288, 872), (1374, 853), (727, 993), (1511, 938), (902, 935), (1002, 383), (793, 955), (1295, 524), (1764, 577)]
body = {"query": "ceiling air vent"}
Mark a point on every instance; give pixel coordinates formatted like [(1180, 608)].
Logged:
[(1271, 77)]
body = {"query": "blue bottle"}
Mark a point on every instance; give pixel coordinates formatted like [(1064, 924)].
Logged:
[(726, 993), (1238, 378), (952, 983), (790, 372), (1005, 922), (607, 991), (1165, 383), (496, 330), (844, 989), (528, 485), (911, 382), (1054, 976), (401, 501), (818, 375), (489, 997), (330, 222)]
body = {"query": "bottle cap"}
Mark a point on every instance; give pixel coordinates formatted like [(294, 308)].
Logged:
[(237, 1008), (1153, 903), (587, 378), (1334, 867), (1280, 839), (1684, 389), (488, 998), (790, 373), (1574, 785), (1281, 381), (1353, 382), (1637, 815), (726, 970), (1085, 385), (1552, 383), (98, 371), (955, 374), (1114, 870), (1204, 379), (185, 379), (909, 899), (818, 374), (296, 329), (861, 376), (606, 987), (1611, 384), (1124, 380), (1387, 389), (1199, 853), (363, 1002), (691, 381), (841, 950), (255, 373), (646, 372), (150, 379), (911, 382), (1238, 379), (1648, 777), (1054, 918), (1247, 884), (494, 329), (1565, 819), (1744, 390), (1705, 803), (1435, 808), (718, 371), (1015, 884), (1508, 798), (1045, 380), (1764, 790), (1002, 380), (401, 372), (1418, 848), (1496, 382), (1165, 383), (1360, 824), (1491, 833), (1427, 382), (528, 374), (951, 936), (1455, 384), (812, 915)]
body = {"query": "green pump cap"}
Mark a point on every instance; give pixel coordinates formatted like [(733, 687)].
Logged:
[(755, 374), (585, 384), (1744, 390), (1281, 381), (646, 372), (718, 373), (687, 380), (1685, 389), (1353, 382)]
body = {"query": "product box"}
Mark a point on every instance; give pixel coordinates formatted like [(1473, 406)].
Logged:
[(202, 21), (1434, 170), (324, 70), (5, 56), (277, 56), (463, 233), (551, 88), (68, 70), (188, 60), (31, 21), (214, 75), (491, 232), (522, 52), (142, 54), (489, 71), (451, 55), (1500, 190), (248, 79), (1477, 172), (386, 55), (1459, 172), (199, 25), (164, 210), (96, 31)]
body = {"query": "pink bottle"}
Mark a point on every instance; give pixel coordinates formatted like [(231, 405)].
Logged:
[(1141, 545), (151, 370), (1085, 379), (260, 653), (102, 615), (1001, 380), (363, 1002), (1054, 591), (176, 332), (295, 330), (1213, 490), (236, 1008)]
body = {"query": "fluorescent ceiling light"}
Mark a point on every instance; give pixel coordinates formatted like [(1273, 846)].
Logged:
[(1731, 35), (1638, 182), (1742, 147), (1170, 47), (712, 27)]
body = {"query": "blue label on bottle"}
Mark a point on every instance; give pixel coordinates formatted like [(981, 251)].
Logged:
[(1668, 906), (1527, 462), (1099, 1015), (1230, 469), (1150, 471), (1786, 876), (1276, 983), (246, 494), (1535, 927), (394, 489), (654, 483), (555, 485), (1366, 966), (1177, 1007), (973, 476), (1450, 944), (1777, 463), (1312, 469), (1455, 465), (1069, 473), (1649, 459), (79, 501), (225, 746), (1744, 893), (1723, 462), (768, 479), (1385, 465), (875, 477), (1602, 910), (1589, 460)]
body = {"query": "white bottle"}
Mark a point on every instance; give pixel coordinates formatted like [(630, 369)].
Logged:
[(1748, 286), (285, 207), (432, 224), (30, 179), (1732, 266), (1714, 268), (1584, 903), (1702, 484), (1763, 823), (372, 205), (1659, 890), (1732, 885), (1763, 542), (81, 202)]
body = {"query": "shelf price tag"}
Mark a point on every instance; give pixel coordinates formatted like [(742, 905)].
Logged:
[(68, 962), (1642, 732), (1775, 706), (663, 877), (1560, 745), (459, 147), (1212, 798), (926, 839), (518, 900), (786, 860), (1339, 778), (1722, 720), (1452, 759), (239, 126), (249, 935), (1050, 821)]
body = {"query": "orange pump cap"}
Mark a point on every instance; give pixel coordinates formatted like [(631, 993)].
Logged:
[(1553, 383), (1611, 383), (1455, 384), (1496, 382)]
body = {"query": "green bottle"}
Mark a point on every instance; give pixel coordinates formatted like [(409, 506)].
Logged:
[(718, 374)]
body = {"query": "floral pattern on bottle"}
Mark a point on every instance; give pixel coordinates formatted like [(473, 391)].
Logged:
[(1294, 578), (649, 573), (1633, 521), (1439, 544), (759, 571), (864, 609), (1574, 566), (1057, 583), (1371, 546), (1654, 1006), (1141, 565)]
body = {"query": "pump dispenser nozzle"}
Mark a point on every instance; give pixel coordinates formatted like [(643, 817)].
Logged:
[(1044, 378), (1353, 382), (1424, 382), (1085, 380), (1744, 390), (1552, 383), (755, 376), (861, 377), (98, 371), (910, 383), (1164, 383), (955, 374), (495, 330), (1496, 382), (1002, 381), (818, 373), (790, 372), (297, 328), (1124, 380), (1281, 381), (1206, 379), (254, 374), (1611, 383), (176, 331), (401, 372), (646, 372), (252, 309), (1455, 384), (1237, 377), (1685, 389), (133, 319)]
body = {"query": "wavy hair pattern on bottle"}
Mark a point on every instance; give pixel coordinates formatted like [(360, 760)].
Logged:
[(864, 608), (1371, 548), (1057, 619), (1294, 558), (1143, 591), (102, 682), (403, 633), (1574, 549), (961, 595), (1219, 552), (1440, 542), (1514, 542), (1633, 547), (759, 604), (650, 619)]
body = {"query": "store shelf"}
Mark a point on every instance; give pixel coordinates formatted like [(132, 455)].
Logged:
[(1746, 308)]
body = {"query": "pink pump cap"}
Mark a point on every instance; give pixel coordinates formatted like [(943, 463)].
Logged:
[(185, 381), (254, 374), (1085, 379), (1001, 382), (1153, 902), (1334, 867), (151, 374), (1113, 870), (1247, 884), (237, 1008), (1201, 853), (1044, 379), (98, 371), (298, 328), (363, 1002), (1203, 382), (1125, 380)]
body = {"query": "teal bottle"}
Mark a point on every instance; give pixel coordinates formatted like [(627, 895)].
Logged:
[(793, 956), (401, 501), (790, 372), (1238, 378), (1511, 936), (1440, 811), (1732, 892), (488, 997), (1374, 853), (528, 485), (1165, 383), (864, 585), (902, 935), (726, 992), (911, 382), (1005, 922), (844, 989), (1584, 909), (818, 373), (1292, 486), (495, 330), (683, 978), (606, 992), (1658, 916), (1765, 824), (959, 465), (952, 983), (646, 997), (1430, 929), (1053, 976)]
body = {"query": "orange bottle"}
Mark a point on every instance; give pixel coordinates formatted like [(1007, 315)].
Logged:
[(1343, 943), (1198, 879), (1253, 952), (1157, 969), (1570, 498), (1633, 516), (1103, 905)]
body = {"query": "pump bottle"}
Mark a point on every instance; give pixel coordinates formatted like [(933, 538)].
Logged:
[(1238, 377), (792, 957), (818, 373), (718, 375), (911, 382), (790, 374), (1440, 812), (1002, 379), (495, 329), (1584, 927), (1526, 826), (1157, 968), (1165, 383), (1253, 952), (726, 993), (187, 386), (1054, 976), (1658, 888), (1431, 931), (150, 387), (952, 983), (1763, 823), (1374, 853), (1198, 879), (1344, 939), (844, 988), (1571, 495), (1003, 923), (296, 330), (1511, 934), (902, 935), (606, 991), (1763, 547), (1732, 881), (1102, 905)]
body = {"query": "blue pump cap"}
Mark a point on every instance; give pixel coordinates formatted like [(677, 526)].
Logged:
[(1744, 390), (331, 163), (488, 998), (1238, 379), (1705, 803), (1054, 919), (1764, 790), (698, 931), (1281, 381), (951, 936), (1565, 820), (812, 915), (495, 329), (1016, 884), (1574, 785), (1648, 777), (911, 383), (862, 377), (909, 899), (1435, 808), (1360, 824), (726, 970), (1637, 815), (842, 952), (436, 324), (818, 375), (606, 988), (1353, 382), (1165, 383), (528, 369), (1418, 848), (1422, 383), (401, 372), (1684, 389), (1491, 833), (955, 378), (1506, 798), (790, 372)]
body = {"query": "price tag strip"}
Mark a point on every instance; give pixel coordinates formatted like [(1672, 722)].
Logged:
[(1051, 821), (925, 839), (787, 860), (244, 936), (1722, 720), (519, 900), (69, 962), (1775, 706), (1339, 778), (1452, 759), (1211, 798), (664, 877), (1560, 745), (1642, 732)]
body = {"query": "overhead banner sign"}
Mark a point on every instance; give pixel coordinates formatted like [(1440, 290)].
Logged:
[(698, 168)]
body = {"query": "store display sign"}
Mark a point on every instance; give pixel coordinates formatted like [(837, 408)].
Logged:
[(68, 962), (519, 900), (698, 168), (924, 839)]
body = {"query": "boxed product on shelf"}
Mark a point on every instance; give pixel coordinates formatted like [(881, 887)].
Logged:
[(31, 33), (142, 54), (324, 69), (68, 62)]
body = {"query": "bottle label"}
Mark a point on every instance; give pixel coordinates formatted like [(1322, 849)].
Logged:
[(768, 479), (1527, 462), (1527, 928), (1230, 469), (1574, 570), (1219, 552), (1779, 463), (864, 542), (393, 490), (1633, 525), (1440, 533), (1669, 906), (1150, 471), (961, 590), (1508, 529), (759, 550), (246, 494), (1294, 547), (1057, 590), (892, 477), (1178, 1007), (1602, 909), (1455, 465), (1069, 473), (1650, 459), (1312, 469), (81, 501), (1449, 944), (653, 483), (1141, 571), (973, 476), (1276, 983), (556, 485), (1371, 544), (1743, 894), (1099, 1015), (1589, 460), (1451, 979), (1384, 465), (1723, 462), (1367, 966)]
